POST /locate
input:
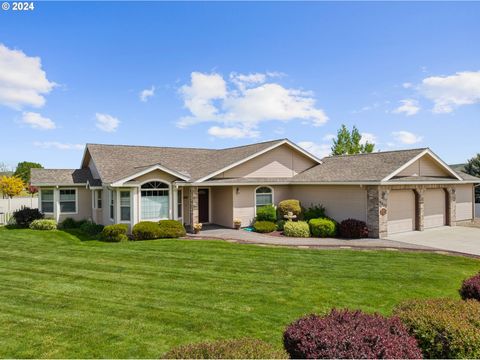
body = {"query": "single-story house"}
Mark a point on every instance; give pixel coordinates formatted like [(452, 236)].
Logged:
[(392, 191)]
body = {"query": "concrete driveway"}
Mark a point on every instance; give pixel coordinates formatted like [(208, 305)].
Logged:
[(459, 239)]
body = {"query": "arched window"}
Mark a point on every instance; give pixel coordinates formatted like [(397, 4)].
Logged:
[(263, 196), (155, 200)]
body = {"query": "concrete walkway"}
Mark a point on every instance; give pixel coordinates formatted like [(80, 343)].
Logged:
[(244, 236), (460, 239)]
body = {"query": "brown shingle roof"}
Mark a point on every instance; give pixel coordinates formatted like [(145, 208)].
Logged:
[(61, 177)]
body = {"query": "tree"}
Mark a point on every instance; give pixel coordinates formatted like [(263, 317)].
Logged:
[(472, 167), (32, 190), (11, 185), (4, 168), (23, 170), (350, 142)]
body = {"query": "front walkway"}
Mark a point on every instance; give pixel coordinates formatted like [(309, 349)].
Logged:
[(243, 236)]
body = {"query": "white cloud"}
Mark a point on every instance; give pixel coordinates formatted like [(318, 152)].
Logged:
[(319, 150), (449, 92), (37, 121), (407, 85), (147, 93), (329, 137), (368, 137), (409, 107), (406, 137), (58, 145), (22, 80), (251, 101), (106, 122), (232, 132)]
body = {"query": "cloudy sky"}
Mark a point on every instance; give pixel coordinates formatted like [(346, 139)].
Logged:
[(227, 74)]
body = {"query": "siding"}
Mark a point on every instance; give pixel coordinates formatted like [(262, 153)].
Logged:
[(84, 205), (341, 202), (425, 166), (464, 196), (282, 161), (222, 206), (155, 175)]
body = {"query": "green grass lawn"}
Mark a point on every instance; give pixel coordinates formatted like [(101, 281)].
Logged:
[(61, 297)]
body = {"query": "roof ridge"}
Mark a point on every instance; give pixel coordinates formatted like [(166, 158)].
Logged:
[(152, 146), (377, 152), (257, 143)]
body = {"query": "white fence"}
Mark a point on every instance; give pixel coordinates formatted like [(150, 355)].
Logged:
[(477, 210), (8, 206)]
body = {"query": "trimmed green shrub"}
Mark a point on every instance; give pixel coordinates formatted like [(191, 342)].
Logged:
[(314, 212), (444, 328), (323, 227), (280, 224), (347, 334), (43, 224), (171, 229), (146, 230), (68, 223), (267, 213), (227, 349), (90, 228), (353, 229), (114, 233), (471, 288), (289, 205), (264, 226), (296, 229), (25, 216)]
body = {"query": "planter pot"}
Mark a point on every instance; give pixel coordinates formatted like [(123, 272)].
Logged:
[(237, 226), (196, 231)]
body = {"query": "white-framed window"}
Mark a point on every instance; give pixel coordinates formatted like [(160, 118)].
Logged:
[(125, 205), (112, 204), (46, 198), (98, 199), (68, 201), (179, 204), (155, 200), (263, 196)]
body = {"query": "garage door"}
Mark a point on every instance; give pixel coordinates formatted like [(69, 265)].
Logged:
[(435, 208), (401, 211)]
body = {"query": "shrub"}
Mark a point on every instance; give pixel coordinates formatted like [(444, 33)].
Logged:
[(471, 288), (322, 227), (25, 216), (289, 205), (444, 328), (90, 228), (345, 334), (280, 224), (264, 226), (114, 233), (267, 213), (296, 229), (227, 349), (43, 224), (69, 223), (353, 229), (171, 229), (146, 230), (314, 212)]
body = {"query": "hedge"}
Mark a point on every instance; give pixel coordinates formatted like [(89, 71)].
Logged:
[(146, 230), (43, 224), (296, 229), (264, 226), (171, 229), (267, 213), (291, 205), (471, 288), (114, 233), (353, 229), (323, 227), (25, 216)]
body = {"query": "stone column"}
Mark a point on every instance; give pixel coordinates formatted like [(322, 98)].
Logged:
[(451, 206), (377, 211), (193, 205), (419, 208)]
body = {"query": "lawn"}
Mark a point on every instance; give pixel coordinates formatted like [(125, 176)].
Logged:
[(61, 297)]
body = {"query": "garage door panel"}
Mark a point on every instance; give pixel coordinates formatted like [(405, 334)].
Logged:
[(434, 208), (401, 211)]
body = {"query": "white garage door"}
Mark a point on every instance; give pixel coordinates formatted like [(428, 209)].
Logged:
[(464, 202), (435, 208), (401, 211)]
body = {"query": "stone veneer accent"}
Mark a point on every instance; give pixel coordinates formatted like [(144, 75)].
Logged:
[(377, 199), (193, 205)]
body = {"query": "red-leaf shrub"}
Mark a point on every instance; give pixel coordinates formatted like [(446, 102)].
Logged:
[(353, 229), (471, 288), (345, 334)]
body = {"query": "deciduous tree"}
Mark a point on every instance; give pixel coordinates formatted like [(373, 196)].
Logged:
[(11, 185)]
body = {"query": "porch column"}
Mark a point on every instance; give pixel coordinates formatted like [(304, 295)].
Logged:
[(419, 208), (193, 208), (56, 204), (451, 207), (377, 211)]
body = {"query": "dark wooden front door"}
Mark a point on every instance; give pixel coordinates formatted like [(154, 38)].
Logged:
[(203, 205)]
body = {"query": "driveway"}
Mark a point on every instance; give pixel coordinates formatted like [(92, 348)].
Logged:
[(459, 239)]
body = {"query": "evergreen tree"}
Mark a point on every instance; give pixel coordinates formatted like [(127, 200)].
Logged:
[(350, 142)]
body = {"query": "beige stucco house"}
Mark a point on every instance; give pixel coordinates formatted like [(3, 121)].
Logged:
[(392, 191)]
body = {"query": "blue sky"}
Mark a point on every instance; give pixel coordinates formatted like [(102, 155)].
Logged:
[(227, 74)]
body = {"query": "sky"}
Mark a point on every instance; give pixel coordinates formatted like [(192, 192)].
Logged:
[(222, 74)]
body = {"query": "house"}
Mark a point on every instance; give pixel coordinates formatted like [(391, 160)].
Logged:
[(392, 191)]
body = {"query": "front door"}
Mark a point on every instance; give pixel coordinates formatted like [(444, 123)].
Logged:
[(203, 197)]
